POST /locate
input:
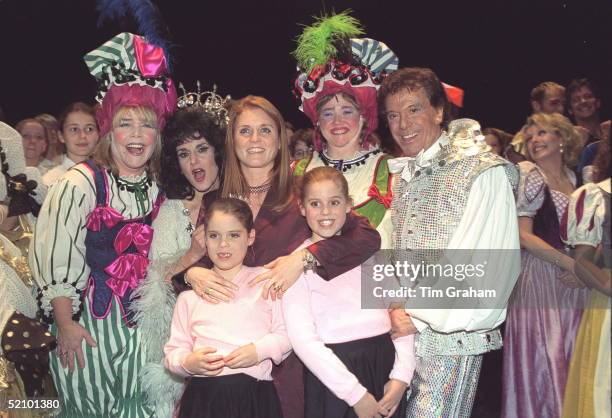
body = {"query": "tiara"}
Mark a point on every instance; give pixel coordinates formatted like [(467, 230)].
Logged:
[(208, 101)]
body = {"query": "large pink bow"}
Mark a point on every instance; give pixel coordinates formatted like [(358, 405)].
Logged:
[(137, 233), (105, 214), (126, 271), (150, 58), (374, 192)]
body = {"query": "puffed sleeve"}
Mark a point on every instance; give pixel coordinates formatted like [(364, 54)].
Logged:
[(531, 189), (584, 216), (57, 250)]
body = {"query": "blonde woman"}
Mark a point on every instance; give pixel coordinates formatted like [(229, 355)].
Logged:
[(545, 311), (93, 237)]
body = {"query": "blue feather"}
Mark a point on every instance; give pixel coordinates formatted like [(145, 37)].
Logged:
[(150, 23), (111, 10)]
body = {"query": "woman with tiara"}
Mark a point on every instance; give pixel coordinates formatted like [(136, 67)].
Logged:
[(192, 158)]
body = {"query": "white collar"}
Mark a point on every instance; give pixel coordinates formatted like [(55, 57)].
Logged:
[(408, 165), (67, 163)]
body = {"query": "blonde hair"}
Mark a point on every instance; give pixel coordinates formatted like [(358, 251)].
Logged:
[(103, 155), (234, 183), (560, 126)]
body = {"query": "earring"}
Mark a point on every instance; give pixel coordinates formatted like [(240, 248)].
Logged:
[(561, 147)]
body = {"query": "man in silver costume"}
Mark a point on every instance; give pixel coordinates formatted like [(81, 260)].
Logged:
[(450, 192)]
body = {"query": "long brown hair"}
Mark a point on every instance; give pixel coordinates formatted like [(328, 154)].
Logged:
[(234, 183)]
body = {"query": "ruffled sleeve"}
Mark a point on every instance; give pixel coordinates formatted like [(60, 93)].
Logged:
[(531, 191), (57, 253), (582, 222)]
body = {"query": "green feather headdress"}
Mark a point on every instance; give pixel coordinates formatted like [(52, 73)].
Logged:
[(318, 43)]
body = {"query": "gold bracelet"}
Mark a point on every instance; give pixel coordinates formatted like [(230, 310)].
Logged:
[(309, 261)]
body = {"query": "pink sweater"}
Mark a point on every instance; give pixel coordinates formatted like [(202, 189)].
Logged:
[(319, 312), (248, 318)]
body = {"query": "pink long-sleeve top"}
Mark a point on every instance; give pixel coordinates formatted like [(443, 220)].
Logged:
[(247, 318), (319, 312)]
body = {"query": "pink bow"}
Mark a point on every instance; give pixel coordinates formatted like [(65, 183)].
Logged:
[(384, 200), (105, 214), (150, 58), (126, 271), (137, 233)]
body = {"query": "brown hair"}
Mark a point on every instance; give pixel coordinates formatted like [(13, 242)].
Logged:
[(234, 183), (103, 154), (563, 128), (319, 174), (503, 137), (303, 135), (539, 92), (74, 108), (413, 79), (231, 206)]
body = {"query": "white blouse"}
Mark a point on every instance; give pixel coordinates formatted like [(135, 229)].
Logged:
[(585, 216)]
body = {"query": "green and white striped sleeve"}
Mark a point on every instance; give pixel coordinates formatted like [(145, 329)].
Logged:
[(57, 251)]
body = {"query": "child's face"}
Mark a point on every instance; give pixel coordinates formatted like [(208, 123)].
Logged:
[(227, 241), (325, 208), (80, 134)]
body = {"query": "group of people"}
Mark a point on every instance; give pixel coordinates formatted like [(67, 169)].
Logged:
[(188, 264)]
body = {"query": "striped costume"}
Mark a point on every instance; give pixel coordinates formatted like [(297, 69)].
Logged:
[(91, 245)]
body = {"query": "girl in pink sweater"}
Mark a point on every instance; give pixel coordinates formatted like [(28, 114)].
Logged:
[(226, 350), (354, 369)]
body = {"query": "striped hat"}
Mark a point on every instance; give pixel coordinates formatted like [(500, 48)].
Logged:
[(130, 72), (332, 60)]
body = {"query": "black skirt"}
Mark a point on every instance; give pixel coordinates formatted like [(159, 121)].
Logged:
[(230, 396), (370, 360)]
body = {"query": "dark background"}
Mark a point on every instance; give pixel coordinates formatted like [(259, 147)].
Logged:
[(496, 50)]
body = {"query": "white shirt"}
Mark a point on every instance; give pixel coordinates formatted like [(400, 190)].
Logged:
[(488, 222), (52, 176)]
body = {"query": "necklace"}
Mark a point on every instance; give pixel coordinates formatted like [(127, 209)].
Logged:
[(140, 185), (261, 188), (345, 165), (138, 188)]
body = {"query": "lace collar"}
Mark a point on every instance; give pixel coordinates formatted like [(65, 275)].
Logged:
[(345, 165)]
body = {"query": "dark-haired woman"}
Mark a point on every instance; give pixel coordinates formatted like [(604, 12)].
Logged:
[(191, 158)]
